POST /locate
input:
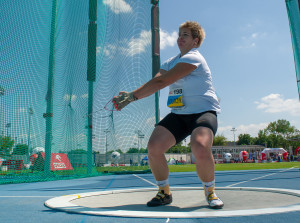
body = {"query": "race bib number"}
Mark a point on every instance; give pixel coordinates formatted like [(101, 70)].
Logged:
[(175, 98)]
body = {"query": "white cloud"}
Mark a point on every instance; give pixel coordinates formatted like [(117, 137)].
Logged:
[(167, 39), (254, 35), (250, 41), (85, 96), (22, 136), (68, 97), (109, 50), (276, 103), (22, 110), (138, 45), (251, 129), (150, 121), (128, 47), (118, 6)]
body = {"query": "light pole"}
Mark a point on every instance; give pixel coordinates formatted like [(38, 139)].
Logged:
[(30, 112), (185, 149), (2, 93), (8, 125), (234, 130), (140, 135), (106, 131)]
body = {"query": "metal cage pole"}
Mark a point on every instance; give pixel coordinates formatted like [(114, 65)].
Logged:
[(91, 77), (155, 50), (293, 11), (49, 112)]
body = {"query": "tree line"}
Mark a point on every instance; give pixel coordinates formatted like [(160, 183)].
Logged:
[(6, 147), (278, 134)]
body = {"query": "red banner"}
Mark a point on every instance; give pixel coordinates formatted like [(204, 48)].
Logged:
[(59, 161)]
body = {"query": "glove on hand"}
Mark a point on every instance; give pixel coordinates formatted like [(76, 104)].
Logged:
[(123, 100)]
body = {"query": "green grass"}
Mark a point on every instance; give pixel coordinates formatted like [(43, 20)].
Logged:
[(146, 169), (237, 166), (24, 176), (112, 169), (218, 167)]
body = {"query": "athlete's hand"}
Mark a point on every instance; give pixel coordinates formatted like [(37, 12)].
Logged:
[(123, 100)]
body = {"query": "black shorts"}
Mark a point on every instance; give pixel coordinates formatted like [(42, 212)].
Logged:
[(182, 126)]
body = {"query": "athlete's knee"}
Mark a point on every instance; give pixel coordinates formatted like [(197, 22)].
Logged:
[(155, 147), (201, 150), (202, 138), (160, 141)]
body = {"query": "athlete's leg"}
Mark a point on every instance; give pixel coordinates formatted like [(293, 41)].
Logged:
[(159, 143), (201, 143)]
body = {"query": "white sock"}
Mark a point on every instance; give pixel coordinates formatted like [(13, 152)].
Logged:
[(163, 183), (209, 184)]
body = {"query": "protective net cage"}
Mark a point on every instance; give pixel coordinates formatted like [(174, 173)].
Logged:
[(55, 94), (293, 10)]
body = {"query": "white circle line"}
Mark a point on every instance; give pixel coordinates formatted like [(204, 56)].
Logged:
[(63, 203)]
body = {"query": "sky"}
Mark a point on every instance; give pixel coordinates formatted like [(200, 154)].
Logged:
[(248, 49)]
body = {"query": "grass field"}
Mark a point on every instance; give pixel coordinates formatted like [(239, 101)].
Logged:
[(25, 176), (238, 166), (77, 172), (218, 167)]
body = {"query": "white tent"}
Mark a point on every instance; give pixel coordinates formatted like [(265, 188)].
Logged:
[(274, 150), (266, 152), (172, 161), (37, 150)]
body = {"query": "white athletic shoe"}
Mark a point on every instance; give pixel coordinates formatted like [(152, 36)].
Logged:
[(212, 199)]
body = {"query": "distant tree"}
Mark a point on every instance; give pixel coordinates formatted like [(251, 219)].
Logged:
[(21, 149), (261, 138), (279, 132), (281, 127), (133, 150), (276, 141), (119, 151), (142, 150), (6, 144), (179, 148), (175, 149), (244, 139), (76, 151), (219, 140)]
